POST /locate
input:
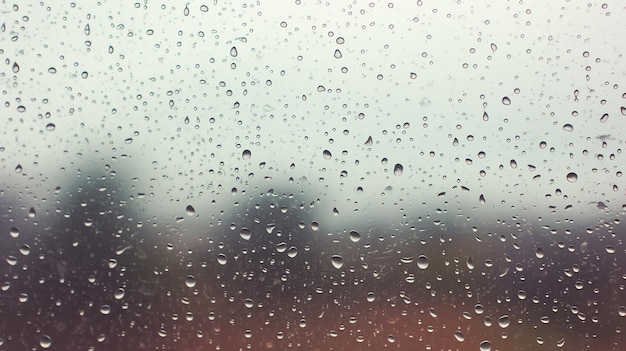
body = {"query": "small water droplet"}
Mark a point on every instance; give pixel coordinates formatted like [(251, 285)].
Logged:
[(506, 100), (233, 51), (204, 8), (397, 169), (246, 154), (248, 303), (494, 47), (413, 75), (32, 213), (422, 262), (485, 116), (572, 177), (16, 67), (87, 29), (622, 109), (458, 335), (190, 210), (568, 127), (190, 281), (371, 297), (337, 54), (355, 236), (337, 261), (481, 199), (327, 155), (52, 70), (186, 11), (292, 252), (245, 234), (18, 168), (84, 74), (513, 164), (50, 127), (25, 250)]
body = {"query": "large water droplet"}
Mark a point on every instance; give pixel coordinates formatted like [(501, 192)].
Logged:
[(245, 233), (397, 169), (355, 236), (190, 281), (221, 259), (45, 342), (572, 177), (458, 335), (246, 154), (337, 261), (504, 321), (14, 232), (422, 262), (190, 210), (119, 293), (292, 252), (327, 155), (485, 345)]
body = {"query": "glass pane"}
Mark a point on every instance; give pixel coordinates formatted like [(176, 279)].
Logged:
[(312, 175)]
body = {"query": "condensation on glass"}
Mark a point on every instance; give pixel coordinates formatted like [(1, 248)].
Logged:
[(312, 175)]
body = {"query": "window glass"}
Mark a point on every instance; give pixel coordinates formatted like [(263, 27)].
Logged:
[(312, 175)]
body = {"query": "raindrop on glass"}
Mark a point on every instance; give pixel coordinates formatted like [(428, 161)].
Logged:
[(422, 262), (190, 281), (337, 261)]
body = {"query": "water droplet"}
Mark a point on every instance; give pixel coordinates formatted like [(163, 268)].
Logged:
[(458, 335), (604, 118), (513, 164), (485, 116), (221, 259), (186, 11), (413, 75), (327, 155), (572, 177), (494, 47), (32, 213), (18, 168), (506, 100), (470, 262), (337, 54), (292, 252), (25, 250), (355, 236), (371, 297), (485, 345), (337, 261), (87, 29), (45, 342), (190, 281), (119, 293), (190, 210), (52, 70), (422, 262), (622, 109), (369, 141), (16, 67), (84, 74), (245, 233), (560, 342), (246, 154), (11, 260), (568, 127), (248, 303), (539, 252), (621, 310), (397, 169), (105, 309), (204, 8), (14, 232), (481, 199), (111, 49), (50, 127), (521, 294), (504, 321), (233, 51)]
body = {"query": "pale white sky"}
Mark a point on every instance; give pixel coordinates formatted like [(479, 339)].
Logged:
[(151, 68)]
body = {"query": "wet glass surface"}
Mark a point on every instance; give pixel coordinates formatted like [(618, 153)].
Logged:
[(312, 176)]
